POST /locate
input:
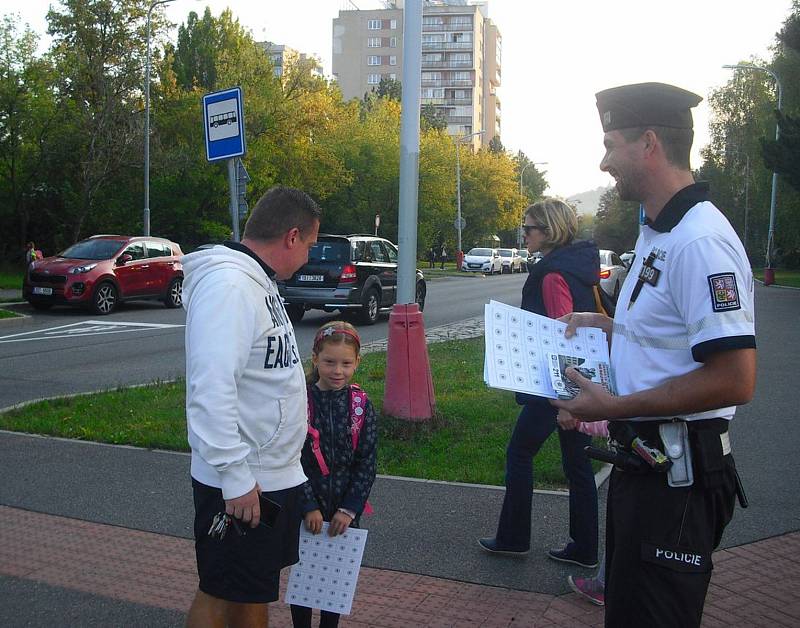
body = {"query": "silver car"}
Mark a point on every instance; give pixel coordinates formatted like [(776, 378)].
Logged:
[(612, 273), (511, 260)]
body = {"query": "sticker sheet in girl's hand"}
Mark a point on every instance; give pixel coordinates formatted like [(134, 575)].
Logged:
[(520, 346), (327, 573)]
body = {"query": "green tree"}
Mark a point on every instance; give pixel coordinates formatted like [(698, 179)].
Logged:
[(28, 121), (495, 145), (490, 200), (98, 51), (432, 118), (783, 155), (389, 88), (616, 224), (533, 182)]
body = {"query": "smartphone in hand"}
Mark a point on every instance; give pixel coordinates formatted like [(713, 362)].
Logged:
[(269, 510)]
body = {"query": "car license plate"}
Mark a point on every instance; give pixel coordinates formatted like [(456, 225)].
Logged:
[(474, 265), (311, 277), (47, 291)]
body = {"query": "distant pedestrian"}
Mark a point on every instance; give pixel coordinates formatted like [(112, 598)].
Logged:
[(442, 256), (432, 257), (31, 253), (339, 456)]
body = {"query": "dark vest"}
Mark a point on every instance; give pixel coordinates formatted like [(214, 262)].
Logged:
[(579, 265)]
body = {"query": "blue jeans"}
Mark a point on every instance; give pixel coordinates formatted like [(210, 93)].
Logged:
[(535, 423)]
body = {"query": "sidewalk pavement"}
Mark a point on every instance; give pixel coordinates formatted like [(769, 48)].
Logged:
[(752, 585)]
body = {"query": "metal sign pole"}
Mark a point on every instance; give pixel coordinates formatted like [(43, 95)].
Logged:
[(234, 198)]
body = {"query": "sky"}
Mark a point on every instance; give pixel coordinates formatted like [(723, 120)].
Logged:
[(556, 56)]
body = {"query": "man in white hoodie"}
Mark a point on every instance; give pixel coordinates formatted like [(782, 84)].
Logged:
[(246, 409)]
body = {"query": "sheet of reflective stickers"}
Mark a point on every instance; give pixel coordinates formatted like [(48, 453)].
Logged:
[(528, 353), (327, 573)]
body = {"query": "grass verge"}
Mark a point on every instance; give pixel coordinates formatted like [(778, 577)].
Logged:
[(782, 277), (465, 442), (8, 314), (10, 278)]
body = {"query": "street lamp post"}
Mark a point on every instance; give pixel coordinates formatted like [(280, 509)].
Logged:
[(153, 5), (459, 141), (769, 270)]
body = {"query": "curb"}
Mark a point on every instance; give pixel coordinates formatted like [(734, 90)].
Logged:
[(775, 285), (13, 321)]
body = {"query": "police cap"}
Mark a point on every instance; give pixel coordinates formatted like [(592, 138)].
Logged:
[(646, 104)]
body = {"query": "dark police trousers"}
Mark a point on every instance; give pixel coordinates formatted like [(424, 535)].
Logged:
[(659, 542)]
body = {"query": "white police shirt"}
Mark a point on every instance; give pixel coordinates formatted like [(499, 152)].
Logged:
[(689, 294)]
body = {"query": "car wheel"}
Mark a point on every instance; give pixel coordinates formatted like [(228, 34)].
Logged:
[(370, 307), (419, 295), (174, 297), (105, 298), (41, 306), (295, 312)]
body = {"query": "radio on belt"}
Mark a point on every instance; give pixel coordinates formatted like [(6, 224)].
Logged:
[(675, 436)]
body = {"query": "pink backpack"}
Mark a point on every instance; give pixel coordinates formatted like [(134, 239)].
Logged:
[(358, 405)]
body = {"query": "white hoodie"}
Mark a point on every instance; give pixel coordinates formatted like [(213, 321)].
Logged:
[(245, 388)]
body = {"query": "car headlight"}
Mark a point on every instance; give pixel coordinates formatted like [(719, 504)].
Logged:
[(78, 270)]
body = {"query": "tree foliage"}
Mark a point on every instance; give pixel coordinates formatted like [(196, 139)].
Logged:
[(742, 153), (616, 224), (72, 124)]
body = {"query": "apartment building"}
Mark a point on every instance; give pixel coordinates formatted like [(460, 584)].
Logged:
[(283, 57), (461, 59)]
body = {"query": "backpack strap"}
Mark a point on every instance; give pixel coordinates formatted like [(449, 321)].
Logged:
[(358, 405), (314, 434), (358, 410)]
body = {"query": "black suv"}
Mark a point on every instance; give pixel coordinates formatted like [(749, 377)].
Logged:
[(347, 273)]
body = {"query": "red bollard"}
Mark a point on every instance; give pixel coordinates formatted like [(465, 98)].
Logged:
[(769, 276), (459, 259), (409, 388)]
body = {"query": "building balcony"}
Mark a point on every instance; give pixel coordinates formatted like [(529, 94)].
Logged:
[(448, 83), (439, 28), (459, 120), (447, 64), (495, 78), (447, 45), (461, 102)]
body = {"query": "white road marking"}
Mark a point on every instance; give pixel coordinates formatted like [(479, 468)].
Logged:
[(84, 328)]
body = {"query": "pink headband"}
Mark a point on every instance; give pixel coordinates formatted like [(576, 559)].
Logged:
[(329, 331)]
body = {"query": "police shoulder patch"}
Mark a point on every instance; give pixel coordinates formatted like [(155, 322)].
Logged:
[(724, 293)]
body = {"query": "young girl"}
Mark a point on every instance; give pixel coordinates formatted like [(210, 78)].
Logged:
[(340, 495)]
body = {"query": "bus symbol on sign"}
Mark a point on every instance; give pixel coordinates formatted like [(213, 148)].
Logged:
[(228, 117), (223, 119)]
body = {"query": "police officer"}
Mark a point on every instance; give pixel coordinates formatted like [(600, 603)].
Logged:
[(683, 355)]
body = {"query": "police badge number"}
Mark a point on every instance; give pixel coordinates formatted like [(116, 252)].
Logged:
[(724, 293)]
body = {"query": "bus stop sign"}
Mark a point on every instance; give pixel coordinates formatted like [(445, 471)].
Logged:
[(223, 124)]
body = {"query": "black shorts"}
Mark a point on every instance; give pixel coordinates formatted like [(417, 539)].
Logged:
[(245, 569)]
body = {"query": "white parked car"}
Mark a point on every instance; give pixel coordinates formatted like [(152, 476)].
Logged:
[(627, 258), (612, 273), (511, 260), (533, 258), (482, 261)]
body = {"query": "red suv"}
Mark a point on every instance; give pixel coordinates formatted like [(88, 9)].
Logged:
[(104, 270)]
